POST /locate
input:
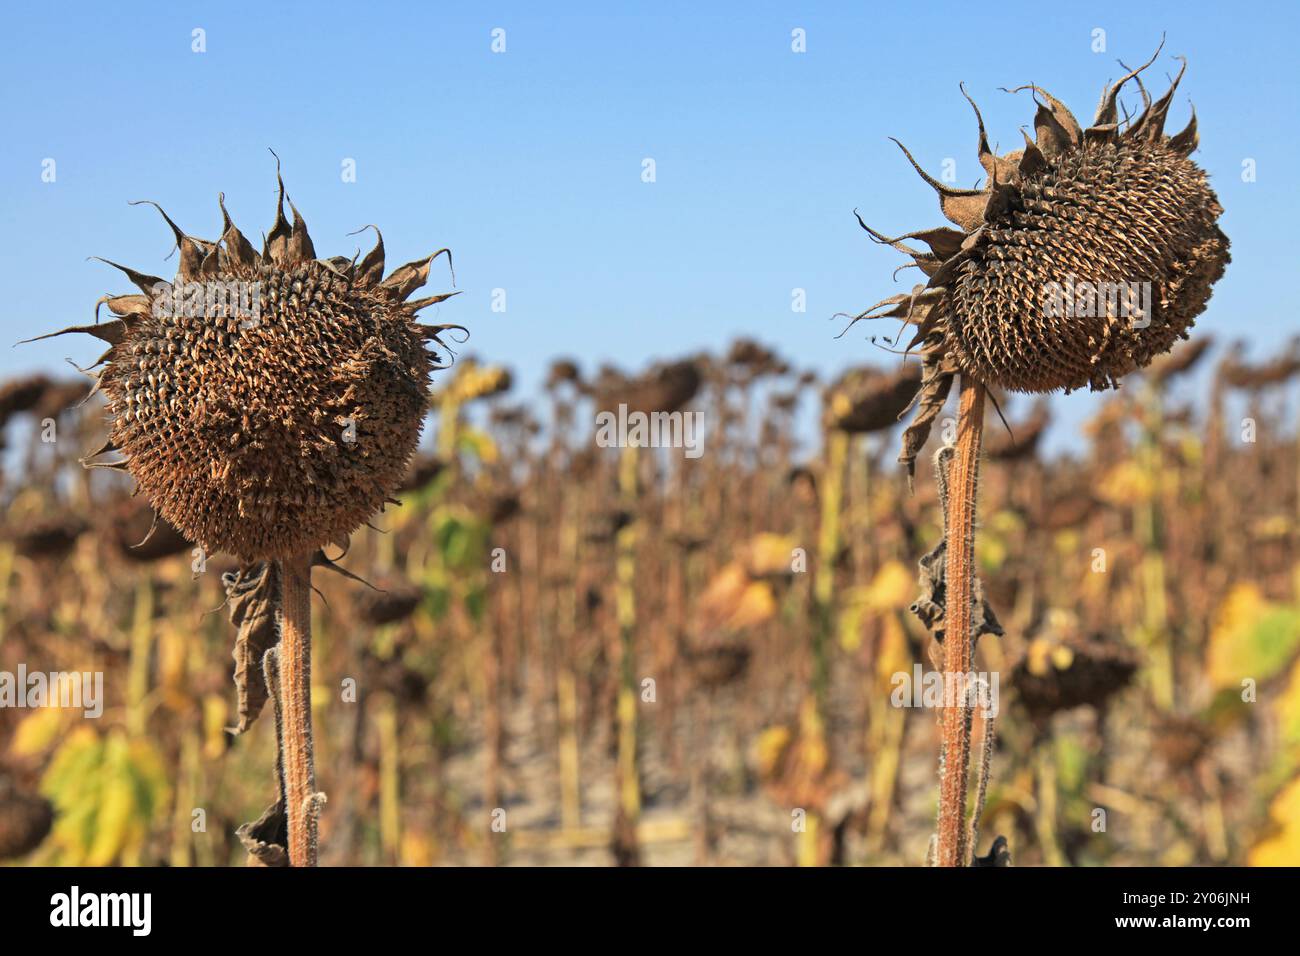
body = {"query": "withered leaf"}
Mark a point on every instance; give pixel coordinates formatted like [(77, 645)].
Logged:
[(931, 607), (266, 837), (999, 854), (253, 594), (936, 382)]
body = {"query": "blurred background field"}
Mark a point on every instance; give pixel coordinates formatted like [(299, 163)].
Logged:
[(575, 654)]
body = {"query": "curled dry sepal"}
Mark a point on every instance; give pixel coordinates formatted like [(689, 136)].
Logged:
[(1117, 202)]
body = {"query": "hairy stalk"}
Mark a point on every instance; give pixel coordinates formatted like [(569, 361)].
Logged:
[(297, 749), (955, 724), (987, 745)]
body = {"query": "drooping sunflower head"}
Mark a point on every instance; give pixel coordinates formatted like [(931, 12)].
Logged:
[(267, 404), (1086, 254)]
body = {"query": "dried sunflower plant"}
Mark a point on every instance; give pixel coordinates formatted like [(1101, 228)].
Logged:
[(267, 405), (1085, 255)]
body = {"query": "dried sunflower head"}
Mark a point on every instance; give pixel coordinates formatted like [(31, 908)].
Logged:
[(267, 404), (25, 819), (1059, 672), (1086, 254), (661, 388), (1236, 372), (865, 400)]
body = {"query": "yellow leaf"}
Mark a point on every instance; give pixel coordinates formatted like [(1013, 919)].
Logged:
[(1288, 709), (814, 753), (416, 849), (994, 544), (215, 714), (894, 656), (892, 589), (722, 593), (1283, 847), (1251, 638), (769, 554), (1038, 657), (1062, 657), (480, 443), (1126, 484), (850, 622), (172, 652), (147, 765), (1191, 449), (841, 405), (771, 745), (756, 605), (38, 731), (107, 792), (1067, 542), (114, 819), (1273, 527)]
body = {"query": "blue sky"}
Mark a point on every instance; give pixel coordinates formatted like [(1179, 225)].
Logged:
[(528, 163)]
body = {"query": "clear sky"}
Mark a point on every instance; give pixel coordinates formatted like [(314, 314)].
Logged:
[(529, 162)]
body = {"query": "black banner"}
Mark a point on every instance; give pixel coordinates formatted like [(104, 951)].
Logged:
[(564, 906)]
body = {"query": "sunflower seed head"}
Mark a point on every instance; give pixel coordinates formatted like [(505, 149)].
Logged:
[(279, 415), (1088, 253)]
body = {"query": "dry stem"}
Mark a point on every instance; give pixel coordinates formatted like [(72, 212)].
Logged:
[(958, 644), (302, 801), (628, 816)]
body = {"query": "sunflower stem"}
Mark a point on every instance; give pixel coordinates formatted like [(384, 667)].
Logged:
[(955, 723), (297, 746)]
